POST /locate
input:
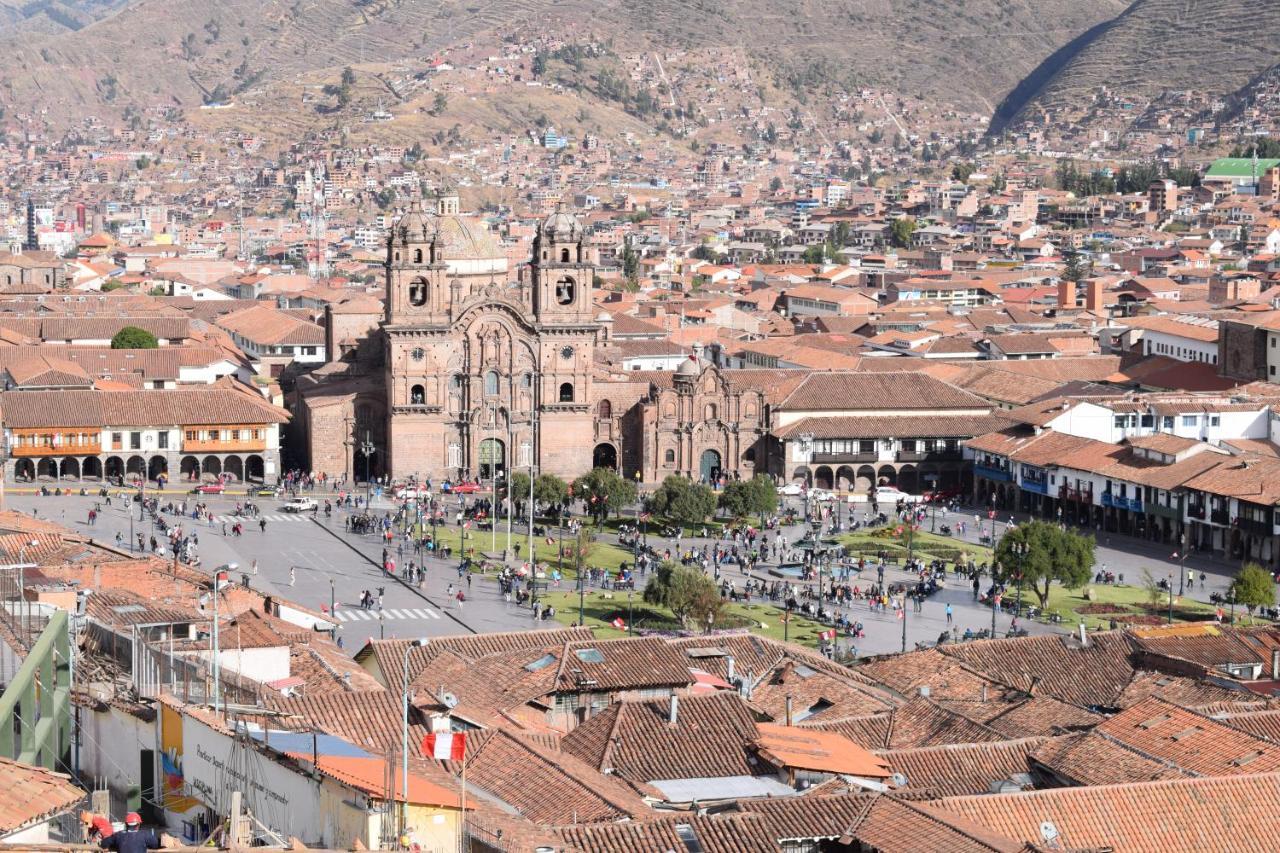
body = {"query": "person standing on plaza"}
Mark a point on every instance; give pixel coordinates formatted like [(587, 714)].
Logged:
[(949, 614)]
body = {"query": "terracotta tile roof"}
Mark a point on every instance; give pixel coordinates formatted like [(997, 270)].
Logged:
[(265, 324), (874, 426), (946, 678), (386, 657), (1255, 479), (812, 749), (1214, 815), (720, 833), (635, 740), (1154, 739), (1198, 695), (628, 664), (185, 407), (31, 794), (1089, 676), (1208, 645), (1029, 717), (955, 769), (370, 720), (1263, 724), (547, 786), (918, 723), (60, 329), (874, 391), (370, 775)]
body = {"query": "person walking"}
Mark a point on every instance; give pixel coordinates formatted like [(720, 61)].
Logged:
[(132, 839), (293, 575), (949, 614)]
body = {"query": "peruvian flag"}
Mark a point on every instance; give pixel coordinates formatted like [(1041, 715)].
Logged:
[(827, 636), (619, 624), (446, 746)]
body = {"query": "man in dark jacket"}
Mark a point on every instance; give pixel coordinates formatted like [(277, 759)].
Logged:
[(133, 839)]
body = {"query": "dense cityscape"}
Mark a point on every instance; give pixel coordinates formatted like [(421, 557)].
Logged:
[(530, 435)]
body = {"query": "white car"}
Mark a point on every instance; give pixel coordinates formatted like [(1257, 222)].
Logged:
[(791, 489), (300, 505), (890, 495)]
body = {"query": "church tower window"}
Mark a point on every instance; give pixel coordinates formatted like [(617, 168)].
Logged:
[(565, 291), (418, 395), (418, 292), (566, 392), (417, 256), (491, 383), (564, 256)]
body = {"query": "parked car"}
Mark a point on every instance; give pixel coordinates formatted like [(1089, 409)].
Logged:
[(791, 490), (943, 494), (264, 492), (466, 488), (209, 489), (300, 505), (890, 495)]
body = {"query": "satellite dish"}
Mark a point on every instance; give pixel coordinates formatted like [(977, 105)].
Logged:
[(449, 700), (1048, 832), (899, 780)]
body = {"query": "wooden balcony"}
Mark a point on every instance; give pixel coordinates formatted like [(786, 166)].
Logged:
[(244, 445), (35, 451)]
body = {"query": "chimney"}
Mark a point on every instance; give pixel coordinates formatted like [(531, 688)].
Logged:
[(1084, 638), (1275, 664), (788, 709), (1093, 295), (728, 666), (1066, 294), (674, 711)]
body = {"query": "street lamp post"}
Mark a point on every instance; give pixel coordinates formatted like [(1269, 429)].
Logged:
[(1020, 551), (582, 585), (404, 735), (367, 447), (1182, 565), (332, 600), (904, 620), (217, 578), (1170, 601)]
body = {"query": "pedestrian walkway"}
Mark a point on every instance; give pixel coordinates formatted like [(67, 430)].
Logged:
[(388, 614), (253, 519)]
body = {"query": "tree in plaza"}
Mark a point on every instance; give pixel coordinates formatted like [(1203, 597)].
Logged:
[(550, 490), (1052, 554), (682, 500), (691, 596), (519, 494), (757, 496), (603, 491), (1253, 587), (131, 337)]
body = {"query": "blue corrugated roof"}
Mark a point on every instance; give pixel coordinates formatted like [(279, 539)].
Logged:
[(302, 742)]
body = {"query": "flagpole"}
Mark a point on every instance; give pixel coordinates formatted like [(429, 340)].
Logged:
[(462, 827)]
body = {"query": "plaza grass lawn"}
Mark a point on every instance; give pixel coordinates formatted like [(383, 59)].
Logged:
[(927, 545), (1129, 601), (604, 555), (601, 607)]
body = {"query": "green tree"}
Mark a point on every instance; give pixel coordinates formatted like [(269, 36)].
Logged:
[(519, 494), (1052, 554), (550, 490), (757, 496), (901, 230), (111, 284), (682, 500), (348, 77), (131, 337), (1252, 586), (962, 172), (439, 103), (999, 182), (814, 254), (691, 596), (775, 184), (1075, 267), (604, 492), (630, 264)]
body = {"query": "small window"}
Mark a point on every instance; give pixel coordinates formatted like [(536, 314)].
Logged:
[(418, 292), (605, 410), (1148, 421), (589, 655), (1214, 420), (541, 663), (565, 291), (1190, 420), (191, 435), (491, 383), (417, 256), (1168, 422), (135, 441), (566, 392), (669, 457), (710, 412), (417, 395), (1119, 421)]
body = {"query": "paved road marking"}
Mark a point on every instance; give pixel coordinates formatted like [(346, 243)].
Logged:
[(388, 615)]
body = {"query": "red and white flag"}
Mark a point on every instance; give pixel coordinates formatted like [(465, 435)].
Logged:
[(619, 624), (446, 746), (901, 612), (827, 636)]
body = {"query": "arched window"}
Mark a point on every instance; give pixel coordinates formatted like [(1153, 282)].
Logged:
[(455, 382), (397, 256), (417, 256), (669, 458), (564, 256), (566, 392), (605, 410), (710, 412), (565, 291), (417, 395), (418, 292), (526, 381), (491, 383)]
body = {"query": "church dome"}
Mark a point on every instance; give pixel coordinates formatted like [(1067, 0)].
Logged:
[(689, 367), (415, 226), (562, 226), (462, 239)]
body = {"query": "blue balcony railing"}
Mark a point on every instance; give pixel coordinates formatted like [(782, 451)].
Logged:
[(991, 472)]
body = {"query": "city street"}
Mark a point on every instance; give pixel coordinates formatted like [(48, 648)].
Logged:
[(314, 562)]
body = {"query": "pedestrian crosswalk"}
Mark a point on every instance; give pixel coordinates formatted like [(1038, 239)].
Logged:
[(388, 613), (248, 520)]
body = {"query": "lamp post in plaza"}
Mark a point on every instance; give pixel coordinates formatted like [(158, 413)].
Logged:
[(367, 447)]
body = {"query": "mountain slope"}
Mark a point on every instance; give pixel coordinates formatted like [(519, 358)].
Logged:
[(177, 52), (1154, 46)]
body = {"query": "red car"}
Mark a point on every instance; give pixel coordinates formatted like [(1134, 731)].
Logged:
[(210, 489), (466, 488), (944, 494)]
